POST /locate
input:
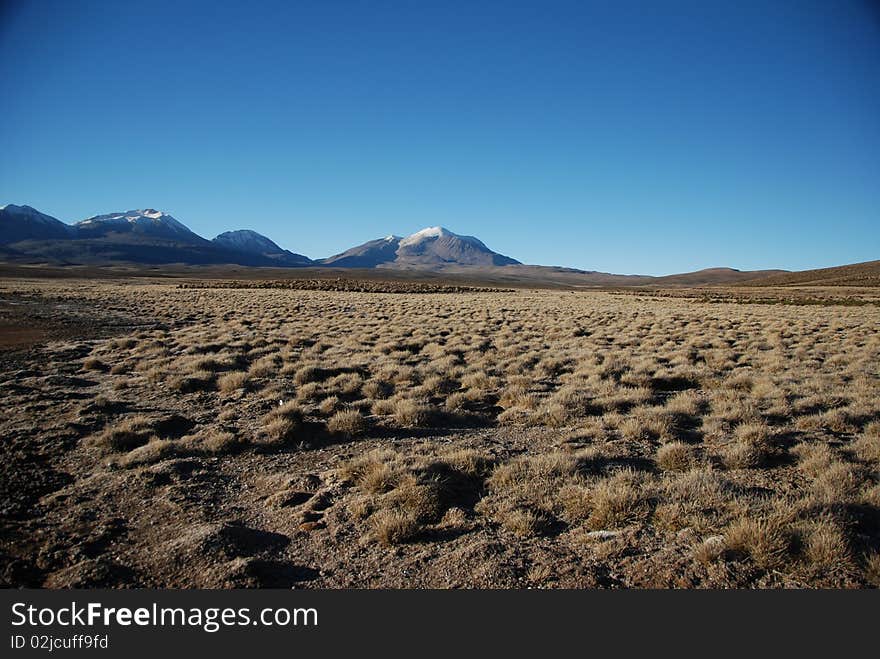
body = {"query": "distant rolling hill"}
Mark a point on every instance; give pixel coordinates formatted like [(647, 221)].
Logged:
[(856, 274), (713, 276)]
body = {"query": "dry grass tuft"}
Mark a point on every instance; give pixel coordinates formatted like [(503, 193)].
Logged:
[(231, 382), (282, 424), (619, 500), (766, 540), (522, 522), (676, 456), (827, 548), (392, 526), (350, 423), (94, 364), (753, 446), (411, 414), (127, 434)]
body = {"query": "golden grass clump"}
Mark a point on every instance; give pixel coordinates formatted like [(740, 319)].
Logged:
[(752, 447), (127, 434), (766, 540), (619, 500), (94, 364), (392, 526), (348, 422), (376, 471), (282, 423), (231, 382), (827, 548), (411, 413), (676, 456)]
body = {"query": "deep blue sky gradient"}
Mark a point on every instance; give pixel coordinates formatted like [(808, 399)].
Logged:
[(648, 137)]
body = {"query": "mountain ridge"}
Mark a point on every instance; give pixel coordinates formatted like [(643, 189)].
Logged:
[(152, 237)]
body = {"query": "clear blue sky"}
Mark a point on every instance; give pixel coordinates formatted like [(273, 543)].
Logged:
[(649, 137)]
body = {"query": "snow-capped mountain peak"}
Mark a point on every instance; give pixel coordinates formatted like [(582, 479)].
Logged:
[(440, 246), (424, 234), (147, 223), (144, 218), (429, 233)]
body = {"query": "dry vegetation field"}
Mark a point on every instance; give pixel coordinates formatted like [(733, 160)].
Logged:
[(163, 436)]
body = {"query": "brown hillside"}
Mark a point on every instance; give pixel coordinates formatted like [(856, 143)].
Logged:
[(857, 274)]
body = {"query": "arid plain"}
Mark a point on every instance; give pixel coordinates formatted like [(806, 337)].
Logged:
[(234, 435)]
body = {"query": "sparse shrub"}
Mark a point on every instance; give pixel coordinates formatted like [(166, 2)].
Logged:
[(867, 446), (872, 568), (468, 462), (840, 482), (577, 502), (282, 424), (423, 501), (477, 380), (218, 442), (263, 367), (710, 550), (375, 472), (383, 407), (686, 403), (752, 448), (308, 391), (153, 451), (346, 383), (647, 425), (517, 396), (279, 431)]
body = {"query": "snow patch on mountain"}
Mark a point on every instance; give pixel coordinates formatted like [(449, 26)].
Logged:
[(429, 233), (147, 218)]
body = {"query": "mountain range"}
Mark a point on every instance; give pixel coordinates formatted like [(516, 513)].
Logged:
[(152, 237)]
